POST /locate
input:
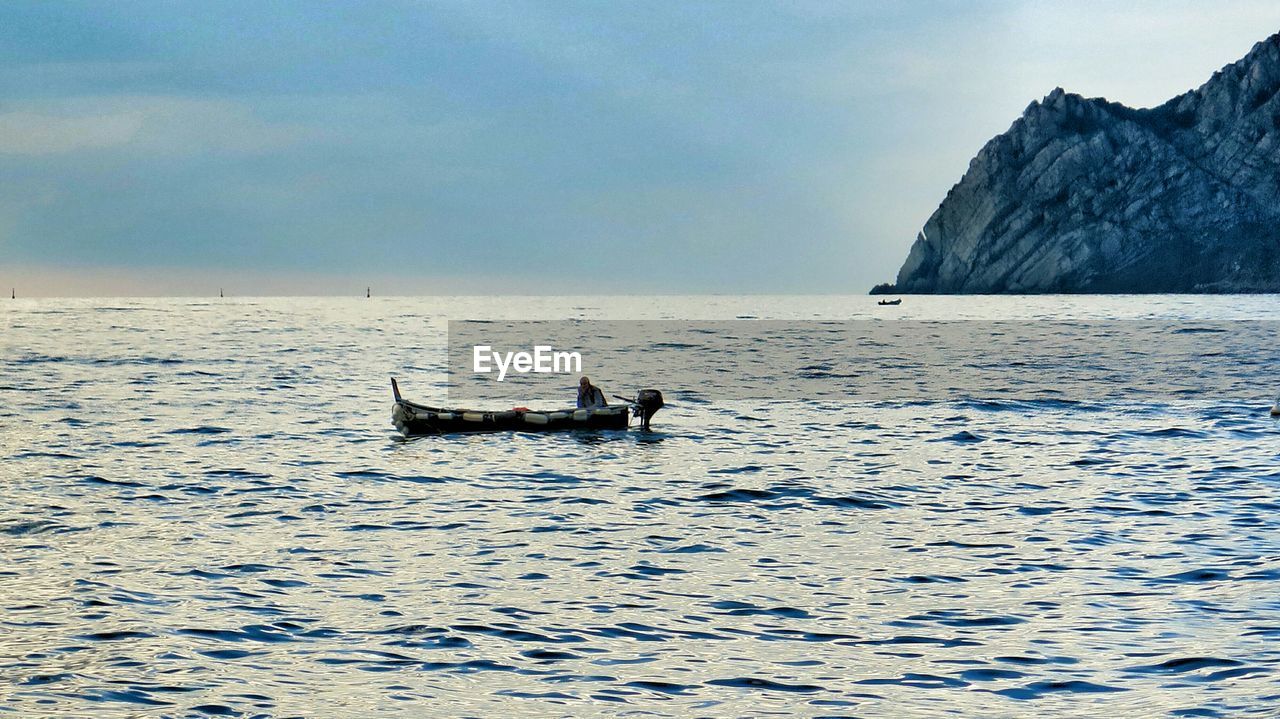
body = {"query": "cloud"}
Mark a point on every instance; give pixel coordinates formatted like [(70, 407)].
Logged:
[(153, 125), (41, 133)]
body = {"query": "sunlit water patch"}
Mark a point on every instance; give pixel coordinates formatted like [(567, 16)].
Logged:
[(206, 513)]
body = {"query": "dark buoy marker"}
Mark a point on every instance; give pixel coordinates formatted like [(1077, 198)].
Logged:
[(1275, 408), (368, 292)]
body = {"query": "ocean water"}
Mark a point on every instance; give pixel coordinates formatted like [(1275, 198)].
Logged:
[(205, 511)]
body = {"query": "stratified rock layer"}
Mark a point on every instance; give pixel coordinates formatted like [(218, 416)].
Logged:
[(1085, 195)]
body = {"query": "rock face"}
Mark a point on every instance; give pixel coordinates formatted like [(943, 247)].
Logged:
[(1086, 195)]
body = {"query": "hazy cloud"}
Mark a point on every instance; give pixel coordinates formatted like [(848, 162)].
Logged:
[(34, 133), (170, 126)]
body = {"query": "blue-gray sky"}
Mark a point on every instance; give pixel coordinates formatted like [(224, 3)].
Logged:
[(556, 147)]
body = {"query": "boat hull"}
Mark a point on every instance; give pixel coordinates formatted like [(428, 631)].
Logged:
[(415, 419)]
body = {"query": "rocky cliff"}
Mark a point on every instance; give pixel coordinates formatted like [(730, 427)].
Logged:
[(1086, 195)]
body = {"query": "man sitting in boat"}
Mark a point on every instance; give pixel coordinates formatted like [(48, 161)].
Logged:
[(590, 395)]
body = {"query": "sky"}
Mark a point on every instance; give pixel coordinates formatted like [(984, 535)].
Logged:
[(557, 147)]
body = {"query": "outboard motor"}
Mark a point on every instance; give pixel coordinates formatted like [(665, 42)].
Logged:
[(649, 401)]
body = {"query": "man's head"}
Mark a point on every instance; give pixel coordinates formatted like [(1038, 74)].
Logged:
[(584, 383)]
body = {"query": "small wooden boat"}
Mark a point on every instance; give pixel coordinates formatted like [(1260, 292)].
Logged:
[(411, 418), (890, 302)]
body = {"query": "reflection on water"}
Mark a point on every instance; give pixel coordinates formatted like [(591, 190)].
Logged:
[(205, 511)]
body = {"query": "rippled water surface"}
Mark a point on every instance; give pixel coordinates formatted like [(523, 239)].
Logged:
[(205, 510)]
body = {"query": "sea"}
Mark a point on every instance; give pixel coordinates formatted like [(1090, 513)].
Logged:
[(206, 511)]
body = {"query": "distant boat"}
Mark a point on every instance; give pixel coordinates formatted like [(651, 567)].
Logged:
[(368, 292), (890, 302)]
